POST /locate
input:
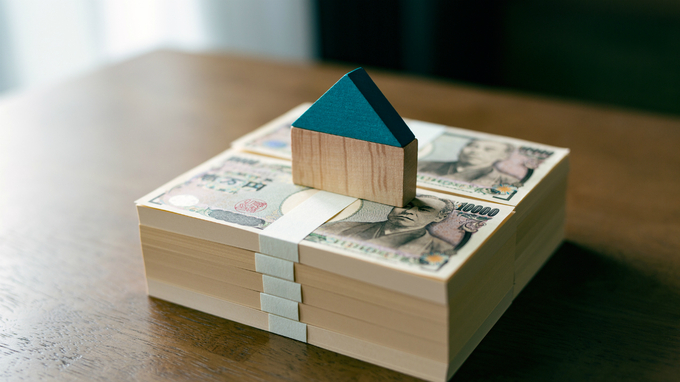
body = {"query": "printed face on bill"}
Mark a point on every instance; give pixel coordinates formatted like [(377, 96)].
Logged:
[(483, 153), (418, 213)]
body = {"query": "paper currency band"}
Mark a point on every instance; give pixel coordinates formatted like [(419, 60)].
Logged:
[(281, 238), (279, 306), (288, 328), (273, 266), (282, 288)]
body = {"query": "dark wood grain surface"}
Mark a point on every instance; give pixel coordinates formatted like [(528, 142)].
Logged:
[(74, 157)]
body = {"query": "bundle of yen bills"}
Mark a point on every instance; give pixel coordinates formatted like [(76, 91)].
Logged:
[(414, 289)]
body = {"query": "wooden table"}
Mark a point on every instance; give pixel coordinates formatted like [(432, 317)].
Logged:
[(75, 156)]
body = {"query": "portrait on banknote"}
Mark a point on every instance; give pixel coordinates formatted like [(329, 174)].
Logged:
[(425, 233), (476, 163), (404, 228), (488, 166)]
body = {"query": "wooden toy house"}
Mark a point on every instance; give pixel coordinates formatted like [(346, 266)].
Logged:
[(351, 141)]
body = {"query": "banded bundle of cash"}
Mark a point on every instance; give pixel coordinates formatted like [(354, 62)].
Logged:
[(413, 289)]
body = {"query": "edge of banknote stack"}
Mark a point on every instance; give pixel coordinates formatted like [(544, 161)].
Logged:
[(413, 289)]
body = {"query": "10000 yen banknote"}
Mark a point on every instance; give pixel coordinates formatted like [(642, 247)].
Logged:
[(451, 160), (427, 234), (251, 192)]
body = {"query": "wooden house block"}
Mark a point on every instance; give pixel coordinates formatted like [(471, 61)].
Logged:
[(353, 167), (351, 141)]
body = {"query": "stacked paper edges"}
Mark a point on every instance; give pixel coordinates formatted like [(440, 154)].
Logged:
[(414, 289)]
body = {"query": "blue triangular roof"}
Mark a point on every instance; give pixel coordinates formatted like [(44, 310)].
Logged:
[(355, 108)]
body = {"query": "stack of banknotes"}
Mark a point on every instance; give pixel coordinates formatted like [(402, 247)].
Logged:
[(414, 289)]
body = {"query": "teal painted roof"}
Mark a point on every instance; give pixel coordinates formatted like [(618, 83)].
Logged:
[(355, 108)]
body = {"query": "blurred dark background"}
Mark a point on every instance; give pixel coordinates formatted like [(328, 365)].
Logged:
[(621, 53)]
